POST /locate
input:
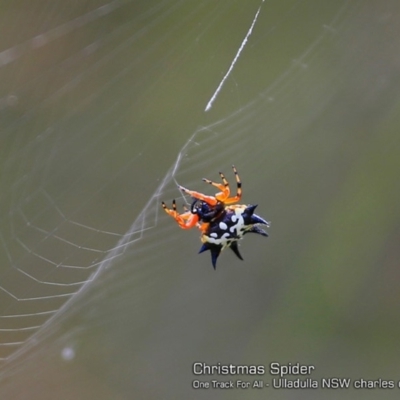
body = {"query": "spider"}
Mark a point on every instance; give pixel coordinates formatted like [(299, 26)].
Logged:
[(221, 222)]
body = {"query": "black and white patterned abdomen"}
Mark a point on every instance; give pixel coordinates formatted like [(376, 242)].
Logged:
[(229, 227)]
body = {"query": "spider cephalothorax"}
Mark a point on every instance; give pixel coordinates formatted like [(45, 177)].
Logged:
[(222, 223), (205, 212)]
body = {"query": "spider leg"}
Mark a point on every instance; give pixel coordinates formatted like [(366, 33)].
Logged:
[(224, 188), (230, 200), (211, 200), (204, 227), (186, 220)]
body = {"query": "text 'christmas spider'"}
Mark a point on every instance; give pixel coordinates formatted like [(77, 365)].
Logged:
[(221, 222)]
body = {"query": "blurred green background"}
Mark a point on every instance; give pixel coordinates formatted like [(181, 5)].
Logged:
[(102, 113)]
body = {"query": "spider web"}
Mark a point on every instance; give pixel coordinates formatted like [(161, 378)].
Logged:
[(103, 114)]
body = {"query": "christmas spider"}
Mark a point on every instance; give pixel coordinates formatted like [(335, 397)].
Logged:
[(221, 222)]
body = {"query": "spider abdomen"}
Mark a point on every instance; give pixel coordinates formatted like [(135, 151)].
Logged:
[(229, 228)]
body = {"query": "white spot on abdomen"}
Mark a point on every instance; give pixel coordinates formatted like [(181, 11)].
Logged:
[(223, 226)]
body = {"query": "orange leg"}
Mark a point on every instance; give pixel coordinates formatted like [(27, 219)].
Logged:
[(223, 196), (204, 226), (238, 196), (224, 188), (211, 200), (186, 220)]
